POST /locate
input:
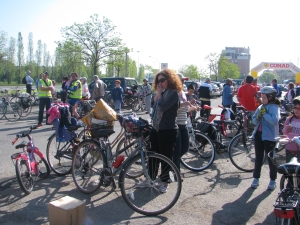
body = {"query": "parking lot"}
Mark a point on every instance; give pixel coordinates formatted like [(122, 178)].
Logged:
[(219, 195)]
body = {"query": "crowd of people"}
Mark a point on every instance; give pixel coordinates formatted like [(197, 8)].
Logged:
[(169, 135)]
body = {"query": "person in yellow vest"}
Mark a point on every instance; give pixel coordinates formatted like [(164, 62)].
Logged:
[(75, 93), (45, 89)]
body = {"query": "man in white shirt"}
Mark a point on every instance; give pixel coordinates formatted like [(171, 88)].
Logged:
[(29, 81)]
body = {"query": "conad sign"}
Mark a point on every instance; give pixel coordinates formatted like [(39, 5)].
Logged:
[(279, 65)]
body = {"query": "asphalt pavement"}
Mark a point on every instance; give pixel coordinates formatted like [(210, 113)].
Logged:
[(219, 195)]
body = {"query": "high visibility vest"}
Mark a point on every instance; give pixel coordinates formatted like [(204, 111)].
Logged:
[(43, 94), (78, 93)]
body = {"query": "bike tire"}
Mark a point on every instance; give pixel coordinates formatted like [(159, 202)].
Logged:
[(136, 106), (125, 141), (42, 166), (59, 156), (84, 134), (88, 170), (285, 221), (24, 177), (2, 107), (12, 112), (241, 156), (149, 200), (201, 158), (287, 182), (27, 111)]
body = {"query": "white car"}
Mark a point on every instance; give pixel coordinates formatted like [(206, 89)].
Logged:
[(215, 90)]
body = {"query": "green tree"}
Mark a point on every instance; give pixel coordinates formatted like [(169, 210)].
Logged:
[(97, 40), (228, 69), (30, 56), (11, 62), (20, 56), (190, 71), (3, 42), (266, 77)]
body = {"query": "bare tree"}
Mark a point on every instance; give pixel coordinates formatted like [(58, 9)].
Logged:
[(30, 57), (38, 56), (3, 42)]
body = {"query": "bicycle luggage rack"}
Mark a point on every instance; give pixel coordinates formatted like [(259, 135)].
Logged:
[(285, 200)]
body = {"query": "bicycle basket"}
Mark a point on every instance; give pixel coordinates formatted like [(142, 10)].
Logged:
[(97, 126), (277, 157)]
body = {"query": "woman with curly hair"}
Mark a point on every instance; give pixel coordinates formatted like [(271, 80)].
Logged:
[(165, 130)]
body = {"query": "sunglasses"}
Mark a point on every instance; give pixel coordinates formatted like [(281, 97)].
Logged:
[(161, 80)]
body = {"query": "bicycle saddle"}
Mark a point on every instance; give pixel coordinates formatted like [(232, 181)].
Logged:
[(224, 121), (104, 133), (207, 107), (20, 146), (292, 167)]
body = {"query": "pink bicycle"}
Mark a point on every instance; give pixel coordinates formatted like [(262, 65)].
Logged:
[(30, 164)]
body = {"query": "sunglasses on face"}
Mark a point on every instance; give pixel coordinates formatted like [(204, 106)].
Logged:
[(161, 80)]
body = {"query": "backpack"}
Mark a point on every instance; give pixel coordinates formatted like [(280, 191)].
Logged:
[(24, 80), (208, 129), (297, 91)]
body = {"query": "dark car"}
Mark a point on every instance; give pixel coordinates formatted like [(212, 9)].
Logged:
[(196, 85), (126, 83)]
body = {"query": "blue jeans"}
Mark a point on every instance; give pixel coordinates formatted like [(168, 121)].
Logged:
[(117, 106), (181, 145)]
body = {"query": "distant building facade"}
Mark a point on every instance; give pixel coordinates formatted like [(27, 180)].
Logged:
[(239, 56)]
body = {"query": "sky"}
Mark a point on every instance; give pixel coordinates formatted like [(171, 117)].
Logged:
[(177, 32)]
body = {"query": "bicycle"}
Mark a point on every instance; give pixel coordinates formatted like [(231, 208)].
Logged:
[(94, 165), (286, 205), (10, 110), (30, 164), (24, 100), (84, 106), (139, 103)]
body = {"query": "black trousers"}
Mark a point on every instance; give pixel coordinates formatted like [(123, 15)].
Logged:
[(28, 88), (162, 142), (44, 102), (261, 148)]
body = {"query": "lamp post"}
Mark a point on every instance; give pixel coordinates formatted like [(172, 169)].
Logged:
[(157, 61)]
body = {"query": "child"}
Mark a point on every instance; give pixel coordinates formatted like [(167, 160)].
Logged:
[(266, 119), (292, 129), (192, 98)]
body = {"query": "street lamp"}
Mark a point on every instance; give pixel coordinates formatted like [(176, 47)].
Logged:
[(157, 61)]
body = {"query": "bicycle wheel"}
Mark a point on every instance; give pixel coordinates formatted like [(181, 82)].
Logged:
[(59, 156), (24, 177), (26, 110), (242, 153), (149, 200), (286, 181), (42, 166), (12, 111), (87, 167), (136, 105), (2, 107), (84, 134), (201, 155)]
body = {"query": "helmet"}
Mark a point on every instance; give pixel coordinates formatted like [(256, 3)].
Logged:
[(182, 77), (268, 90), (145, 79), (83, 78)]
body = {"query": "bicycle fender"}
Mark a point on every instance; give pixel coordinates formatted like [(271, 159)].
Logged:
[(39, 153)]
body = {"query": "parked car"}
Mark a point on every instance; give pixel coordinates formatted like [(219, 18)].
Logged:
[(196, 85), (215, 90), (220, 86), (127, 83)]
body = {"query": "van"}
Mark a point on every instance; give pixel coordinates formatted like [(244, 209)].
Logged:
[(126, 83)]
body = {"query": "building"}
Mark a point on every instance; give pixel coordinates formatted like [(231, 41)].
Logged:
[(239, 56)]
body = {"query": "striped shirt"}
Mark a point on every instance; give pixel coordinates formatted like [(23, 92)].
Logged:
[(181, 112)]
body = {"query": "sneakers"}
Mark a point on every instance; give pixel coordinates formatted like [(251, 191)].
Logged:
[(255, 183), (39, 125), (272, 185), (143, 184), (163, 187)]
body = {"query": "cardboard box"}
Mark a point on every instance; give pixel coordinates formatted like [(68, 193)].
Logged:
[(66, 210)]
